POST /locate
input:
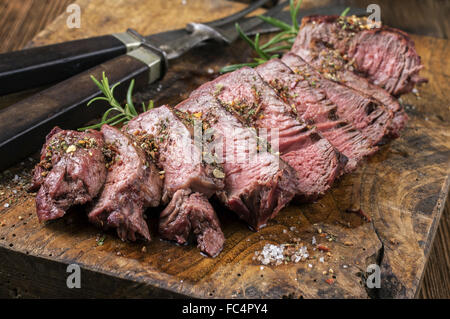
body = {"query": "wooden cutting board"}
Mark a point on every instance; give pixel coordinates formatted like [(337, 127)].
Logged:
[(402, 190)]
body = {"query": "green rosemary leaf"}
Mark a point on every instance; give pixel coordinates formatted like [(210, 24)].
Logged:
[(278, 38), (112, 89), (97, 99), (149, 106), (91, 127), (105, 115), (281, 40), (344, 13), (112, 119), (105, 80), (277, 48), (100, 85), (105, 83), (233, 67), (294, 13), (99, 125), (259, 61), (258, 49), (127, 111), (275, 22), (244, 36), (123, 119), (130, 99)]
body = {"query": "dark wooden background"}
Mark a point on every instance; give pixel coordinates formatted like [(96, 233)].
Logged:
[(21, 20)]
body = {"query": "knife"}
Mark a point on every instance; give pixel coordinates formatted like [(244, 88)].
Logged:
[(23, 126)]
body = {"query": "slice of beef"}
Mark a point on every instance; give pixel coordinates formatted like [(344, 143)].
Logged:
[(133, 184), (368, 115), (185, 172), (337, 67), (257, 184), (191, 212), (316, 162), (71, 171), (312, 106), (400, 118), (384, 55), (175, 152)]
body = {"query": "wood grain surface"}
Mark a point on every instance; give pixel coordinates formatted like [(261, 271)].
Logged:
[(21, 20), (403, 189)]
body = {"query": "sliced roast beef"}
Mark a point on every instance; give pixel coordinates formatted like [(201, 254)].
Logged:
[(191, 212), (367, 114), (400, 118), (312, 106), (71, 171), (257, 184), (384, 55), (133, 184), (184, 172), (316, 162), (335, 66), (175, 152)]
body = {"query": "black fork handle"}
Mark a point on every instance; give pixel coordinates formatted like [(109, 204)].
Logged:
[(25, 69), (24, 125)]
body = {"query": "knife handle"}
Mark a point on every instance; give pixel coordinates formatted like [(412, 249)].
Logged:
[(24, 125), (29, 68)]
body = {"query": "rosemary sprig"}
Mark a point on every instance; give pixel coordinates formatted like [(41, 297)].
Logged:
[(123, 114), (280, 42), (230, 68)]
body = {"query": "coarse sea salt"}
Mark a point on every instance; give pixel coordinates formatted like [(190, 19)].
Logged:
[(300, 254), (271, 254), (277, 254)]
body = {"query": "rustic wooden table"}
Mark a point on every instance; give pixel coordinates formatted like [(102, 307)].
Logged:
[(21, 20)]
